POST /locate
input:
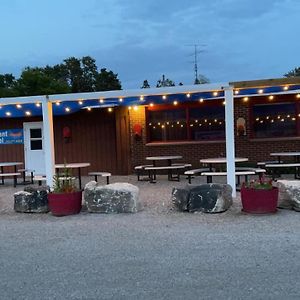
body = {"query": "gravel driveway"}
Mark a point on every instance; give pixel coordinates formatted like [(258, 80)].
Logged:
[(157, 253)]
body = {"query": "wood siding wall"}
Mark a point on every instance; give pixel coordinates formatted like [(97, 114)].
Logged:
[(93, 140)]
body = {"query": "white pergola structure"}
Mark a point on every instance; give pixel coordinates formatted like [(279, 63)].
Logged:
[(48, 100)]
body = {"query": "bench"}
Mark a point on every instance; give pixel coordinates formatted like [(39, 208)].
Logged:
[(294, 166), (23, 171), (209, 175), (258, 171), (102, 174), (152, 172), (191, 173), (14, 175), (139, 172), (39, 179), (261, 164)]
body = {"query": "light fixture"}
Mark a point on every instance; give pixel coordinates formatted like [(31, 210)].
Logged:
[(285, 88), (120, 100), (27, 113), (164, 97), (260, 91), (271, 97), (224, 102), (110, 109), (151, 104), (67, 109), (245, 99), (38, 104), (101, 100), (80, 102), (188, 95), (135, 108), (89, 108), (215, 94), (236, 92), (298, 96), (57, 103), (129, 107), (201, 100), (8, 113), (175, 102), (141, 98), (19, 106)]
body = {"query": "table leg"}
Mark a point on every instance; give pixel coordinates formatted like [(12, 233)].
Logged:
[(2, 177), (79, 178)]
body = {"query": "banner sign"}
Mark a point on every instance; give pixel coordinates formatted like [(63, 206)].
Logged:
[(11, 136)]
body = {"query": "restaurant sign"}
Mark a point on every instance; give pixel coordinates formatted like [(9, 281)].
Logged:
[(11, 136)]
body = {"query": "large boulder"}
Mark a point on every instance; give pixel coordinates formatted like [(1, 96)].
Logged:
[(289, 194), (31, 200), (208, 198), (111, 198)]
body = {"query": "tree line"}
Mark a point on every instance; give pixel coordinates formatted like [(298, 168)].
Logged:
[(73, 75)]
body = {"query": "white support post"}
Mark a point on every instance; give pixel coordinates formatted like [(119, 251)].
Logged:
[(230, 147), (48, 140)]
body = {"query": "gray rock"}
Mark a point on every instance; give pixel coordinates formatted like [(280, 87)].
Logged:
[(31, 200), (289, 194), (209, 198), (180, 198), (111, 198)]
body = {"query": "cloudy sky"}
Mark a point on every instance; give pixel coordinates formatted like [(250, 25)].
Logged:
[(143, 39)]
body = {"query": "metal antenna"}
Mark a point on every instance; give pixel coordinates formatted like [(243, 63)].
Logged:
[(195, 54)]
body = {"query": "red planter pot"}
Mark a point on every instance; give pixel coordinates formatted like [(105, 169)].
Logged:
[(257, 201), (65, 204)]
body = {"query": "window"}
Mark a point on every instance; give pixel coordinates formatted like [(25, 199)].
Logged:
[(190, 123), (274, 120), (36, 139)]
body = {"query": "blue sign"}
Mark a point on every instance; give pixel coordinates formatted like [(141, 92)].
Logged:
[(11, 136)]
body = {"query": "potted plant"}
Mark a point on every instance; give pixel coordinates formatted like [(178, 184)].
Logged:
[(259, 197), (65, 199)]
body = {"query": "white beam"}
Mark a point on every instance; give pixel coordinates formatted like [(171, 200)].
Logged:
[(48, 140), (230, 147)]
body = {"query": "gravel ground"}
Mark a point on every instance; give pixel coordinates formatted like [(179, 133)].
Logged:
[(157, 253)]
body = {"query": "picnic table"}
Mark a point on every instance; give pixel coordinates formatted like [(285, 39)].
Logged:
[(10, 174)]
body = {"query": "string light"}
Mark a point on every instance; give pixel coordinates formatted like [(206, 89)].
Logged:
[(135, 108), (260, 91), (67, 109), (141, 98), (27, 113), (175, 102), (120, 100), (129, 107), (298, 96), (101, 101), (19, 106), (110, 109), (80, 102), (8, 113), (89, 108), (224, 102), (245, 99), (271, 97), (285, 88), (38, 104), (57, 103), (188, 95), (215, 94), (151, 104), (164, 97), (201, 100), (236, 92)]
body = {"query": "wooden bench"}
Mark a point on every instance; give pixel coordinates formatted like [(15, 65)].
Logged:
[(102, 174), (152, 172), (272, 167), (14, 175), (23, 171), (209, 175), (39, 179), (191, 173)]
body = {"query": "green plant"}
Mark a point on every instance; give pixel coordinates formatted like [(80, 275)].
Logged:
[(261, 184), (64, 182)]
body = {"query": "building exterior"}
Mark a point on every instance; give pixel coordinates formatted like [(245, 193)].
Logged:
[(116, 135)]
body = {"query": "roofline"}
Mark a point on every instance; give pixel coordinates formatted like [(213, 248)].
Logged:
[(265, 82), (119, 93)]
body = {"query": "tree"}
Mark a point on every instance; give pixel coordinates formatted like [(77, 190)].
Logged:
[(107, 81), (293, 73), (201, 80), (145, 85), (7, 85), (164, 82)]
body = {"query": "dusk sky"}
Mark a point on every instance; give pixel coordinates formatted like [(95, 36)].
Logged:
[(143, 39)]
